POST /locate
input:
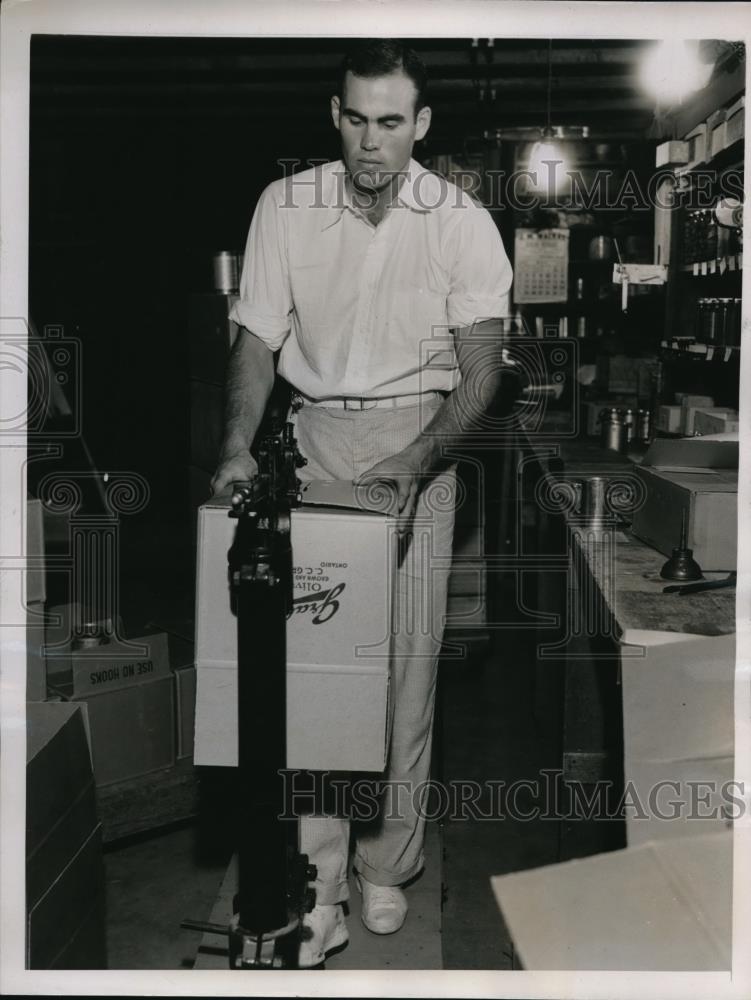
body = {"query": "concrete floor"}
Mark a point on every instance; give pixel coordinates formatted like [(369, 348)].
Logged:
[(488, 733)]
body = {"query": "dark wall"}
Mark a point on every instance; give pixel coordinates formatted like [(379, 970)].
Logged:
[(128, 201)]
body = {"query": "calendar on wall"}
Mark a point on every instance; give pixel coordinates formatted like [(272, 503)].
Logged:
[(540, 265)]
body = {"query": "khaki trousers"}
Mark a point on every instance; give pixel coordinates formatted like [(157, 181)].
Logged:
[(342, 444)]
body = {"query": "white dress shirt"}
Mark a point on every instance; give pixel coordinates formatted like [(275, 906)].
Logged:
[(359, 310)]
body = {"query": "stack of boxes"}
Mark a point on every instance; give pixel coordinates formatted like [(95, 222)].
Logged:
[(696, 415), (65, 922), (139, 709)]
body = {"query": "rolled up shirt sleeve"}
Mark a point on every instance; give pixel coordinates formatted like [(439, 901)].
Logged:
[(265, 301), (481, 273)]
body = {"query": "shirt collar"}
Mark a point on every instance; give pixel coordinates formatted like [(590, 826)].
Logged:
[(336, 197)]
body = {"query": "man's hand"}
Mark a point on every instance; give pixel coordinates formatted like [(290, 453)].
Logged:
[(405, 473), (233, 468)]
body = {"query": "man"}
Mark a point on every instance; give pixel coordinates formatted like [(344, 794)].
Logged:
[(356, 271)]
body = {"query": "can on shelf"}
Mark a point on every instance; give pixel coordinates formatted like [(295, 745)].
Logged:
[(644, 426), (613, 429), (227, 267)]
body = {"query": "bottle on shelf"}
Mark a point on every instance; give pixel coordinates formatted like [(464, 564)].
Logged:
[(628, 423)]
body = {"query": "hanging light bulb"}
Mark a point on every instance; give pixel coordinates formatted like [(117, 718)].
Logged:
[(547, 165), (672, 70)]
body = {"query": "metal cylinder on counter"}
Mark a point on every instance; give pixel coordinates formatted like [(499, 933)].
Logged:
[(594, 501), (227, 269), (628, 423), (644, 426), (613, 429)]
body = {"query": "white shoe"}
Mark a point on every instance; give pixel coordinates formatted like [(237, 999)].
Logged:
[(323, 929), (384, 907)]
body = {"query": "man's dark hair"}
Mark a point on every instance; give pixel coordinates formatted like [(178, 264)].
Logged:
[(371, 57)]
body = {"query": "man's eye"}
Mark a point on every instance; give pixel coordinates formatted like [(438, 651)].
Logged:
[(355, 121), (389, 125)]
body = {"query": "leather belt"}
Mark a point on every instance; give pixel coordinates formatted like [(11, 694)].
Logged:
[(366, 403)]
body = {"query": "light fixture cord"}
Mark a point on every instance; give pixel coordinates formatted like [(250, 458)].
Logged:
[(550, 77)]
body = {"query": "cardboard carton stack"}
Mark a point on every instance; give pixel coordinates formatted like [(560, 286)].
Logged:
[(127, 688)]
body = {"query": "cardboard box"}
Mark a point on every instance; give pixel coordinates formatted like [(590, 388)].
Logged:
[(700, 477), (622, 374), (689, 406), (734, 128), (669, 419), (338, 636), (129, 692), (64, 869), (690, 399), (58, 776), (664, 906), (717, 132), (696, 140), (66, 927), (678, 730), (715, 421), (672, 153)]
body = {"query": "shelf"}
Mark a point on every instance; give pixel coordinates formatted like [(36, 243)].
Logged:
[(729, 157), (723, 265), (700, 352)]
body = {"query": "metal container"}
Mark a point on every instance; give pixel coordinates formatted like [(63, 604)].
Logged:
[(722, 321), (628, 423), (644, 426), (613, 429), (733, 332), (227, 266), (594, 501), (601, 248)]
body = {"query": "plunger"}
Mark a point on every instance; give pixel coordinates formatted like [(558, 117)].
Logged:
[(682, 565)]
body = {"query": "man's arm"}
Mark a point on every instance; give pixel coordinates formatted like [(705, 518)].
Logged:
[(250, 378), (478, 352)]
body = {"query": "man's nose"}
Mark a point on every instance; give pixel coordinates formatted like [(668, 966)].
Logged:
[(370, 137)]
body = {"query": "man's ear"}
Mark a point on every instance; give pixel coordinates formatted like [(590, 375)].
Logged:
[(423, 123), (335, 111)]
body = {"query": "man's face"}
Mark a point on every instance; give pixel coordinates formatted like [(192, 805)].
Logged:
[(377, 121)]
